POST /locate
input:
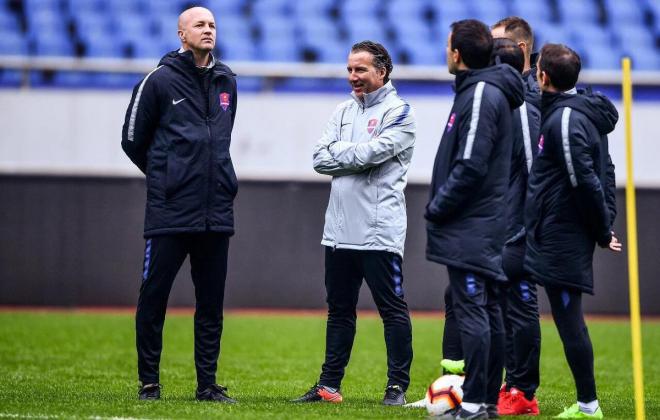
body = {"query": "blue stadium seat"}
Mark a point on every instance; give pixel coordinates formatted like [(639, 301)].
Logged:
[(131, 27), (624, 12), (102, 45), (233, 27), (10, 78), (360, 28), (409, 30), (165, 25), (578, 12), (46, 20), (590, 35), (9, 21), (164, 7), (317, 29), (278, 50), (268, 8), (85, 6), (312, 9), (329, 51), (51, 44), (221, 8), (552, 33), (600, 57), (633, 37), (92, 24), (277, 27), (39, 5), (126, 7), (13, 43), (366, 9), (489, 11), (237, 50), (532, 11), (407, 9), (428, 54), (152, 49), (644, 59), (114, 80)]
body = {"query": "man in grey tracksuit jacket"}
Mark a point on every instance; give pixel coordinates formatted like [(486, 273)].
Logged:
[(366, 147)]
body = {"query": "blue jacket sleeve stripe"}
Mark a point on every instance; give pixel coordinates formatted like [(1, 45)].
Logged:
[(474, 120), (527, 141), (565, 118), (131, 122), (400, 118)]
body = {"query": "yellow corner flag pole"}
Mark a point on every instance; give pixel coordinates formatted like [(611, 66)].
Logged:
[(633, 270)]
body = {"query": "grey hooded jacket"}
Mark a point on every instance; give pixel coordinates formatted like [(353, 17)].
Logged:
[(366, 147)]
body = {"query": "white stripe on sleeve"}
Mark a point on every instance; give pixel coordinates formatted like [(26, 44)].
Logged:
[(565, 118), (527, 141), (474, 121), (131, 121)]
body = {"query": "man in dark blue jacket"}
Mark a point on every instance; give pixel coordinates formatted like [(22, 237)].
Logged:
[(467, 204), (178, 131), (570, 207), (518, 296)]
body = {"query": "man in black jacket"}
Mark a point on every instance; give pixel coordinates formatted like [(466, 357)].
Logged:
[(467, 204), (178, 131), (518, 296), (570, 207)]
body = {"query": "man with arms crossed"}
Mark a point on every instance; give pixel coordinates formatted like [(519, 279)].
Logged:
[(366, 148), (570, 208), (467, 205), (178, 131)]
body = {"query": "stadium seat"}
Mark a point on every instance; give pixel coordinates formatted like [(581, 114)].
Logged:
[(32, 6), (9, 21), (126, 7), (489, 11), (407, 9), (590, 35), (360, 28), (410, 31), (316, 29), (92, 24), (164, 7), (367, 9), (221, 8), (46, 20), (624, 12), (13, 43), (85, 6), (313, 9), (269, 8), (551, 33), (427, 54), (237, 50), (102, 45), (578, 12), (10, 78), (152, 49), (327, 51), (278, 50), (533, 11), (634, 37), (644, 59), (51, 44), (601, 57)]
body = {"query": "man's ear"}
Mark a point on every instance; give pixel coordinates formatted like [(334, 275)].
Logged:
[(182, 37), (456, 56)]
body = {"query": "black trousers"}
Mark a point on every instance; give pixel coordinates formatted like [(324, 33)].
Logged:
[(475, 310), (163, 258), (566, 306), (344, 271), (519, 302)]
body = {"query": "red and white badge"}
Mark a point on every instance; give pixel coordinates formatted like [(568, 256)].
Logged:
[(372, 125), (225, 99)]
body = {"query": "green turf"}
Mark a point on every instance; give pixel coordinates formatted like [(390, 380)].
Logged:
[(59, 365)]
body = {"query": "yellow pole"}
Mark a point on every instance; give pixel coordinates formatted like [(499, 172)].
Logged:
[(633, 270)]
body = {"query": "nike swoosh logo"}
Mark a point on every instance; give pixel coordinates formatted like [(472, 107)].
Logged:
[(174, 102)]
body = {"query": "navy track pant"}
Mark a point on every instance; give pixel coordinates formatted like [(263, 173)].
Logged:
[(474, 311), (344, 271), (567, 313), (163, 258), (518, 298)]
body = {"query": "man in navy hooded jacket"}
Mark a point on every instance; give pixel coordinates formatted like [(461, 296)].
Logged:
[(178, 131), (570, 207), (467, 209)]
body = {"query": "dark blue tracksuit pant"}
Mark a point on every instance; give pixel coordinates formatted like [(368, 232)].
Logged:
[(344, 271), (163, 258), (518, 298), (475, 312)]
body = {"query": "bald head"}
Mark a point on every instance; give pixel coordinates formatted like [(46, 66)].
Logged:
[(197, 30)]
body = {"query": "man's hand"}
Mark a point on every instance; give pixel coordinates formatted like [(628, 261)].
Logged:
[(615, 245)]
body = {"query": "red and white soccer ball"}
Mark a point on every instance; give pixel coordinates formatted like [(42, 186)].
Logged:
[(444, 394)]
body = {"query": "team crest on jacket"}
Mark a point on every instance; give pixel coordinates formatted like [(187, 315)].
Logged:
[(371, 125), (450, 123), (224, 100), (540, 144)]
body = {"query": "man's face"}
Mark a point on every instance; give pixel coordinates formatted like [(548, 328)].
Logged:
[(362, 75), (452, 57), (197, 29)]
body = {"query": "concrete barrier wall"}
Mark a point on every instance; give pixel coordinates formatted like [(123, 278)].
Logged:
[(72, 241)]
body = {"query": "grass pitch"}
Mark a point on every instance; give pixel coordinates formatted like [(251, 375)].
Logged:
[(81, 365)]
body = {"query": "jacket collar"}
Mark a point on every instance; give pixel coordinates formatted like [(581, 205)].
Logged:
[(377, 96)]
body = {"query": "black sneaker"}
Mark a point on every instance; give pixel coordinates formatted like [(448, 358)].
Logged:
[(480, 414), (214, 392), (394, 395), (491, 409), (320, 393), (149, 392)]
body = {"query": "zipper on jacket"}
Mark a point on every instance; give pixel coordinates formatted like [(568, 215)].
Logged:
[(207, 120)]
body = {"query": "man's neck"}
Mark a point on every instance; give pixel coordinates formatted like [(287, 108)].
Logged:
[(201, 58)]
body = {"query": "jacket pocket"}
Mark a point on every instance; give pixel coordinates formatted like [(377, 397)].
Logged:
[(227, 183)]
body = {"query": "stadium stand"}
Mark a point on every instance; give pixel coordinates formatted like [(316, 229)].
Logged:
[(414, 31)]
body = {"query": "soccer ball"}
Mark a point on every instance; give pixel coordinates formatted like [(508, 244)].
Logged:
[(444, 394)]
